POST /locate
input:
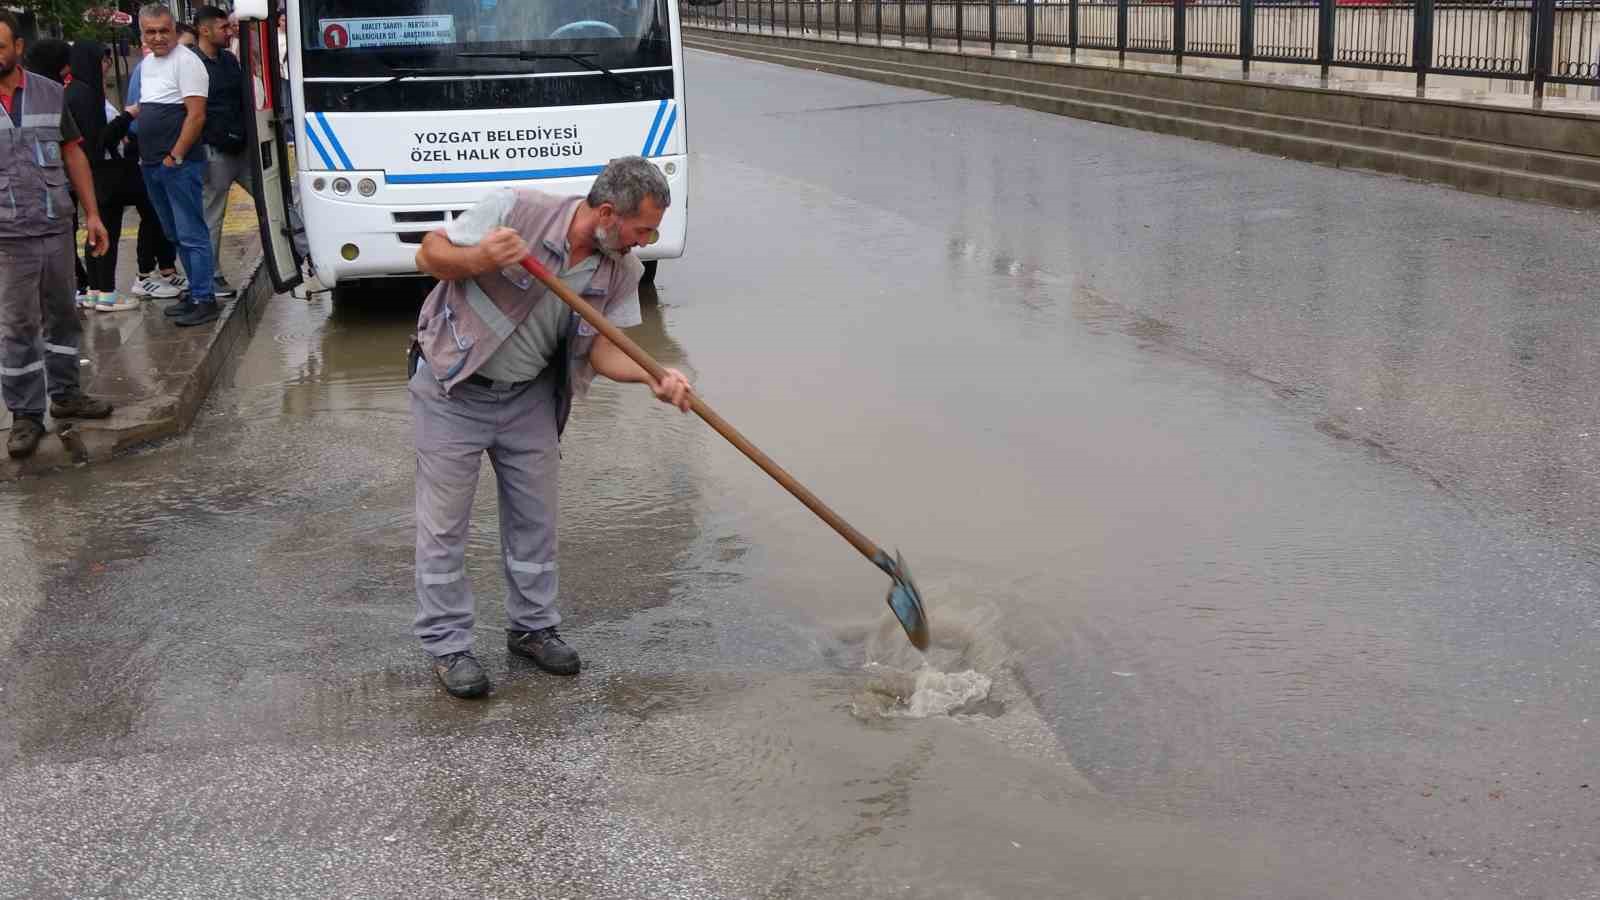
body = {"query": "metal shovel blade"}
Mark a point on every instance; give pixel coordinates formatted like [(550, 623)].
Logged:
[(905, 601)]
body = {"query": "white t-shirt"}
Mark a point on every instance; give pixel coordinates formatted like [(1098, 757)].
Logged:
[(170, 78)]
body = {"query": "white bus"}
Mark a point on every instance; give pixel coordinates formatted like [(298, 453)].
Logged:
[(406, 112)]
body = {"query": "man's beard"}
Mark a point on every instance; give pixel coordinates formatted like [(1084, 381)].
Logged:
[(610, 240), (6, 70)]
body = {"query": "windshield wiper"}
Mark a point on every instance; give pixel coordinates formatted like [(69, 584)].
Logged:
[(582, 59), (403, 74)]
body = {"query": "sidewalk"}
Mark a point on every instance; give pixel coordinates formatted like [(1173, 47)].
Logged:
[(155, 373)]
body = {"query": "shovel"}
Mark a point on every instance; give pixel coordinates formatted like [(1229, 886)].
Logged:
[(905, 601)]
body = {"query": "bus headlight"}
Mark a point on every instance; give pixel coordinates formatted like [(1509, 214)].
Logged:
[(341, 185), (670, 168), (350, 252), (319, 184), (366, 187)]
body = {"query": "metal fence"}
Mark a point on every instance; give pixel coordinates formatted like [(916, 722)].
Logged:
[(1540, 41)]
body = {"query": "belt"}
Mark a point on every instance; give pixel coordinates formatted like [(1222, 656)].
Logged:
[(479, 380), (490, 383)]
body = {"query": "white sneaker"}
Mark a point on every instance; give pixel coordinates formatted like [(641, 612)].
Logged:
[(177, 281), (154, 287), (110, 301)]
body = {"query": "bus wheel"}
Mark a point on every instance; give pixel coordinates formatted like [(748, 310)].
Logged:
[(649, 272)]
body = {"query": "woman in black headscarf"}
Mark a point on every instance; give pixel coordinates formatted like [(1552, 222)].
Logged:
[(86, 100), (118, 183)]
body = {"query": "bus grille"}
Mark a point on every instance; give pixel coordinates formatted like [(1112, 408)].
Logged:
[(432, 218)]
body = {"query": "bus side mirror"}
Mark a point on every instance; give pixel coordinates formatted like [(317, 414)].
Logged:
[(250, 10)]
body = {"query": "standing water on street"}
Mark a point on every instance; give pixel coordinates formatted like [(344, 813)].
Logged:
[(1247, 511)]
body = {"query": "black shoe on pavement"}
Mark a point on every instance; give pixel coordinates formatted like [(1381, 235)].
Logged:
[(25, 435), (222, 288), (179, 309), (78, 405), (546, 648), (461, 675), (198, 314)]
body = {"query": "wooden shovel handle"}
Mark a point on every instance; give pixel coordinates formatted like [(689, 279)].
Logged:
[(636, 353)]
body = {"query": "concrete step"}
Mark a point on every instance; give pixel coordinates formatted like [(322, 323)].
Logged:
[(1560, 165), (1568, 180)]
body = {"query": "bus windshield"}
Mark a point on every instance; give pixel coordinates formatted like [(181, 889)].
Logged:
[(370, 38)]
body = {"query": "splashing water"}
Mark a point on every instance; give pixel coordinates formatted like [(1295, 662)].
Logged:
[(940, 693), (954, 677), (892, 693)]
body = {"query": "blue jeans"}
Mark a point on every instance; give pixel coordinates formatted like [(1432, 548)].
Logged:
[(178, 195)]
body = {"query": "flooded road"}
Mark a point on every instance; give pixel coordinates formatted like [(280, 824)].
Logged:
[(1263, 506)]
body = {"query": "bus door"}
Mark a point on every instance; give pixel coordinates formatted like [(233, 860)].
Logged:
[(267, 117)]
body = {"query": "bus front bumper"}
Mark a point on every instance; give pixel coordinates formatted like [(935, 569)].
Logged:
[(353, 237)]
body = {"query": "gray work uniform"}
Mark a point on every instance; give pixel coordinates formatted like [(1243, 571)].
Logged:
[(498, 369), (39, 327)]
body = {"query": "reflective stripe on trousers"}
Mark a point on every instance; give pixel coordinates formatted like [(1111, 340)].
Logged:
[(39, 328)]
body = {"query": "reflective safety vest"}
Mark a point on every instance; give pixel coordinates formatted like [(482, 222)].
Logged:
[(33, 182)]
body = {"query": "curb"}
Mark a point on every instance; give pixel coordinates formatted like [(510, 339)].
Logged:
[(76, 444), (238, 323)]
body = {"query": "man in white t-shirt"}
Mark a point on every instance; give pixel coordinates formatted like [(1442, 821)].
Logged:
[(172, 115)]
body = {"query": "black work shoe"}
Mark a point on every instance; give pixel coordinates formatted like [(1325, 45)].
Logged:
[(222, 288), (546, 648), (25, 435), (198, 314), (461, 675), (78, 405), (179, 309)]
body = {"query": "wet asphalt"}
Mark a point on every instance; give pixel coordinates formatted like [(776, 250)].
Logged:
[(1264, 492)]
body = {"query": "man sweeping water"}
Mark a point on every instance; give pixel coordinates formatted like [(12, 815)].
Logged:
[(497, 362)]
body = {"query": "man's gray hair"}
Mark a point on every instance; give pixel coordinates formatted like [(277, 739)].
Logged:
[(156, 11), (626, 182)]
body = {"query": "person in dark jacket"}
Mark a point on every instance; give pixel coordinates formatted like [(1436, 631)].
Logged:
[(227, 163), (86, 100), (48, 57)]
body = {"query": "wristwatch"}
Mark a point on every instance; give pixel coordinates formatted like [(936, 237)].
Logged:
[(176, 158)]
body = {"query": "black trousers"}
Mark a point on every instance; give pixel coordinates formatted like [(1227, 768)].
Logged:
[(116, 188)]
